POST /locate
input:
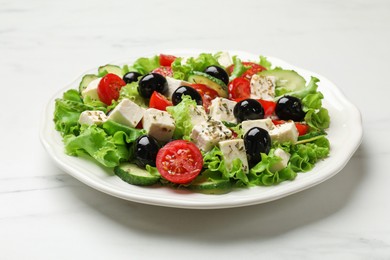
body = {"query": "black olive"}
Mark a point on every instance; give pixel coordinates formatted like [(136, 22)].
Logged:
[(152, 82), (289, 108), (256, 141), (146, 148), (217, 72), (248, 109), (131, 76), (186, 90)]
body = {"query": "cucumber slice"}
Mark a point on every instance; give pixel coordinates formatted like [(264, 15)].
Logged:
[(104, 70), (208, 186), (88, 78), (132, 174), (198, 77), (289, 80)]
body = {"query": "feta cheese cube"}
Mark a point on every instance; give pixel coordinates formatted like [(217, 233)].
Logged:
[(285, 156), (173, 84), (221, 109), (208, 134), (90, 117), (198, 115), (286, 132), (233, 149), (225, 60), (262, 87), (159, 124), (127, 113), (91, 89), (266, 124)]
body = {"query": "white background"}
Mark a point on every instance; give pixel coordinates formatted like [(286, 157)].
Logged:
[(46, 214)]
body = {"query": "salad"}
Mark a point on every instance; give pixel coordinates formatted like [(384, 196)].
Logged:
[(208, 123)]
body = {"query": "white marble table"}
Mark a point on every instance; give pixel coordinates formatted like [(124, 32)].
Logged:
[(47, 214)]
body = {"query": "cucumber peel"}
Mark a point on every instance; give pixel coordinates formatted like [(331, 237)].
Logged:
[(114, 69), (88, 78), (286, 80), (132, 174), (218, 85), (210, 186)]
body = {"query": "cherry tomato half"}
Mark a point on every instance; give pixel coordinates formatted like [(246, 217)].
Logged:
[(109, 87), (302, 128), (206, 93), (247, 64), (254, 69), (165, 71), (239, 88), (179, 161), (158, 101), (269, 107), (166, 60)]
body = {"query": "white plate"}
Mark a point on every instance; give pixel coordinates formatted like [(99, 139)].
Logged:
[(345, 134)]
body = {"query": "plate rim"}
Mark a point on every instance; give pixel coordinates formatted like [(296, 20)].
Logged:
[(47, 130)]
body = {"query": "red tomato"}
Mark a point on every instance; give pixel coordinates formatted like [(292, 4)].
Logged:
[(139, 125), (109, 87), (164, 70), (278, 122), (206, 93), (269, 106), (302, 128), (158, 101), (249, 65), (166, 60), (254, 69), (239, 88), (179, 161)]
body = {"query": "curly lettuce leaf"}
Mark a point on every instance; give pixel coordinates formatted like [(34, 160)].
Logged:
[(130, 91), (181, 113), (316, 117), (95, 142), (262, 174), (265, 63), (121, 133), (143, 65), (181, 70), (304, 156), (239, 68), (96, 104), (310, 88), (213, 161), (67, 112)]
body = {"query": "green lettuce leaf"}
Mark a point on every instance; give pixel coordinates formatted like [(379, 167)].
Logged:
[(95, 104), (122, 134), (265, 63), (311, 88), (313, 101), (181, 113), (304, 156), (261, 174), (182, 71), (317, 119), (95, 142), (67, 112), (143, 65), (130, 91), (213, 161), (238, 70)]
